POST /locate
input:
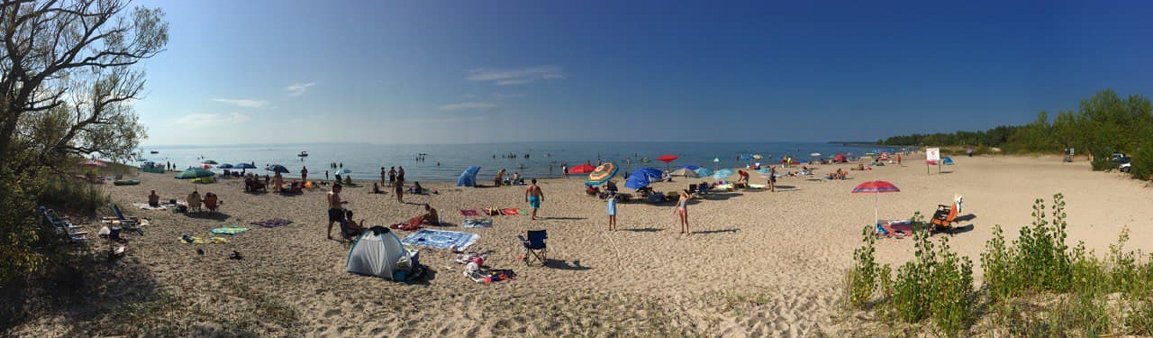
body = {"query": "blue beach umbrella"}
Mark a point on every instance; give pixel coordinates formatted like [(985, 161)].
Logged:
[(692, 167), (649, 172), (225, 166), (704, 172), (244, 166), (723, 174), (276, 168), (637, 181), (344, 171)]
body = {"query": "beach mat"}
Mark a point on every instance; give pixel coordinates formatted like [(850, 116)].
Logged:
[(469, 212), (441, 239), (145, 206), (229, 230), (272, 223), (477, 223)]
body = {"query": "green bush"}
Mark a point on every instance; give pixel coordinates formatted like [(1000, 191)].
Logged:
[(76, 195), (862, 279)]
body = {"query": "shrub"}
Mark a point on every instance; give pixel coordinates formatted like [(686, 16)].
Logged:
[(74, 195), (862, 280), (937, 284)]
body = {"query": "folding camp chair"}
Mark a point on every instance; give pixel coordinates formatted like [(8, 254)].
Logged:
[(534, 246), (944, 216)]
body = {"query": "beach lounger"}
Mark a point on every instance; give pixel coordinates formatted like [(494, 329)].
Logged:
[(64, 226), (127, 224), (534, 246)]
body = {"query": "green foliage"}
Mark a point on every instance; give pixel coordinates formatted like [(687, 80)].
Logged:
[(72, 194), (862, 280), (18, 231), (1139, 320), (1103, 124)]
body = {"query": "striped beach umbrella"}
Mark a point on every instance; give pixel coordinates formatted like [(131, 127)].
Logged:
[(602, 174)]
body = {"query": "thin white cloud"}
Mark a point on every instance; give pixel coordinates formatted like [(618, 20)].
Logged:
[(516, 76), (297, 89), (244, 103), (467, 106), (201, 120)]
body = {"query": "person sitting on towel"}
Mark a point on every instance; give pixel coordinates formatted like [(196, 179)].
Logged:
[(154, 200), (430, 216)]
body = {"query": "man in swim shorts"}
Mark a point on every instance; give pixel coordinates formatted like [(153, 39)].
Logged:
[(335, 207), (534, 196)]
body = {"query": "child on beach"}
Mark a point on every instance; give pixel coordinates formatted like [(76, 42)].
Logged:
[(683, 211), (612, 211)]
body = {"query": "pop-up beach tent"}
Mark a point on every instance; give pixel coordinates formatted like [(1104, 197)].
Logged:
[(377, 252), (468, 177)]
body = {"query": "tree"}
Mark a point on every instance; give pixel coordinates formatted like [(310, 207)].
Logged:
[(68, 78)]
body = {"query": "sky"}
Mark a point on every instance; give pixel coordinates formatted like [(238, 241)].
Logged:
[(389, 72)]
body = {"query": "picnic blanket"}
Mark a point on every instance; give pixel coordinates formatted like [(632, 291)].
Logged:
[(272, 223), (469, 212), (441, 239), (228, 230), (477, 223), (145, 206)]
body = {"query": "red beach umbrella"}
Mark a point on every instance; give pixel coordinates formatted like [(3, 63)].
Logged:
[(582, 169), (666, 158), (875, 188)]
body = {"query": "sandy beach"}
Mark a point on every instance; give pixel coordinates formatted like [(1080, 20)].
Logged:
[(758, 263)]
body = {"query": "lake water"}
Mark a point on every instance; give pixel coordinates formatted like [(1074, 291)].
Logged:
[(545, 158)]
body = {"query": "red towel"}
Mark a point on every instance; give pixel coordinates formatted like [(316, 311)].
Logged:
[(469, 212)]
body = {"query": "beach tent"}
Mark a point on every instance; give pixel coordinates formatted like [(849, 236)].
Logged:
[(194, 173), (840, 158), (703, 172), (468, 177), (685, 172), (377, 252), (947, 160), (722, 174)]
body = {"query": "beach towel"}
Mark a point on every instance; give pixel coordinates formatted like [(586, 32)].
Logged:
[(187, 239), (272, 223), (145, 206), (723, 187), (228, 230), (757, 186), (510, 211), (413, 224), (469, 212), (477, 223), (441, 239)]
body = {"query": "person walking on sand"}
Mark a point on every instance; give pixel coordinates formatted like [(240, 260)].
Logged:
[(683, 211), (398, 189), (612, 211), (335, 207), (534, 196)]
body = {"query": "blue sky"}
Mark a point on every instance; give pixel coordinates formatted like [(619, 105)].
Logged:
[(508, 71)]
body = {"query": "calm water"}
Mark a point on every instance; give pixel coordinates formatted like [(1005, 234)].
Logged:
[(545, 158)]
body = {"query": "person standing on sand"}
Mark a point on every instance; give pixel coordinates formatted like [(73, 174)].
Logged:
[(383, 176), (335, 207), (612, 211), (391, 176), (326, 175), (400, 175), (398, 189), (304, 174), (564, 169), (683, 211), (773, 179), (534, 196)]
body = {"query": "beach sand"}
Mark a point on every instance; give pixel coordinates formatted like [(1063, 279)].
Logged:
[(758, 263)]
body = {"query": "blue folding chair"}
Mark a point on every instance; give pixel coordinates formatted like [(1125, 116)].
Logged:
[(535, 246)]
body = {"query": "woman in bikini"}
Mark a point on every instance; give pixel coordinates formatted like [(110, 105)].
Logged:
[(683, 211)]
